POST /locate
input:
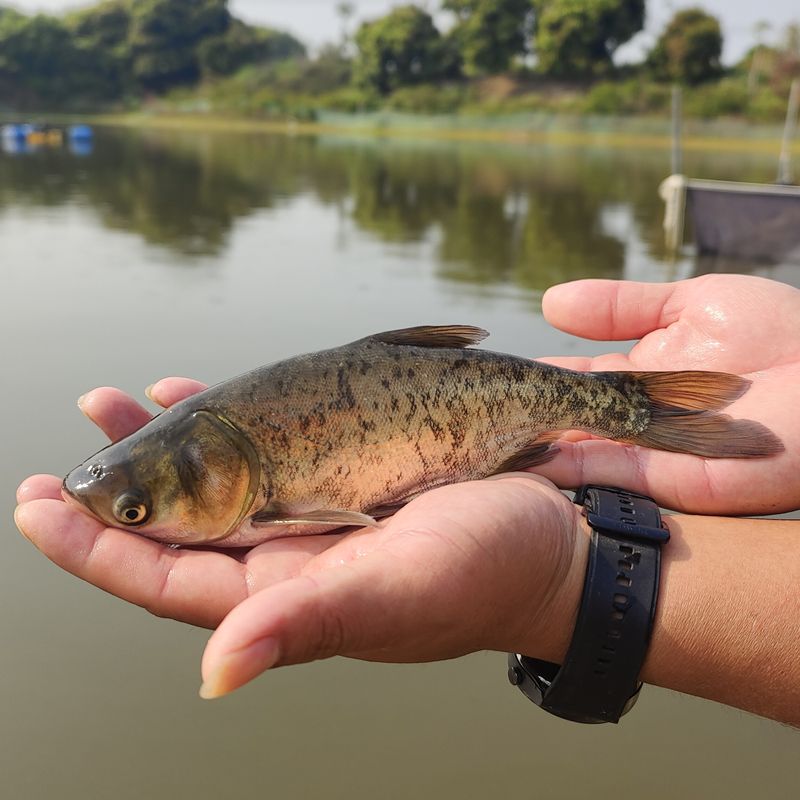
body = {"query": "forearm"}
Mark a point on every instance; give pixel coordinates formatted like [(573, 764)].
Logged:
[(727, 626)]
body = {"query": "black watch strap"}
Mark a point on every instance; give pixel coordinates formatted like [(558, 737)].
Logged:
[(599, 679)]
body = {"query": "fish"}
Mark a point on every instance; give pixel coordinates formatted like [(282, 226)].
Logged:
[(349, 435)]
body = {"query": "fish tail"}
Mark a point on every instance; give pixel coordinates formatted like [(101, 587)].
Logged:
[(684, 417)]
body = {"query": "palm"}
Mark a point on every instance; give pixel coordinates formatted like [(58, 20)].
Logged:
[(414, 563), (738, 324)]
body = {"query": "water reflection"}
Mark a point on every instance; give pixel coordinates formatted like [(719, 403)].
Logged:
[(526, 216), (788, 272)]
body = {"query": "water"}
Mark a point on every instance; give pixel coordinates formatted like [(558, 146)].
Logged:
[(207, 255)]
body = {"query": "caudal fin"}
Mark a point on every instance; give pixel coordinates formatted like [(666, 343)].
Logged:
[(684, 416)]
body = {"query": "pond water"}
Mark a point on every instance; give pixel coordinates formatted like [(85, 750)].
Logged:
[(207, 255)]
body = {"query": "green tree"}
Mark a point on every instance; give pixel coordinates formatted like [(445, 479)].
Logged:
[(115, 49), (6, 14), (101, 33), (40, 64), (490, 33), (401, 49), (105, 25), (243, 44), (689, 49), (577, 38), (165, 36)]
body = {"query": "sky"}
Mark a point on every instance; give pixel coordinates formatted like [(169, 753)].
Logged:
[(316, 22)]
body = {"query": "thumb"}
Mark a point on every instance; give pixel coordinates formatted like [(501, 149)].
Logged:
[(338, 610), (612, 310)]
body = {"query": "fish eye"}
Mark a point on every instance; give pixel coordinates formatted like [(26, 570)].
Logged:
[(131, 508)]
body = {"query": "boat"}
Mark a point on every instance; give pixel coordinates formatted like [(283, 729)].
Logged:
[(752, 221)]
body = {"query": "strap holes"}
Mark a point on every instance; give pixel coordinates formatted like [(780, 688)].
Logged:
[(599, 672), (625, 548), (626, 510), (609, 648), (621, 599), (613, 633), (618, 615), (623, 564), (623, 580)]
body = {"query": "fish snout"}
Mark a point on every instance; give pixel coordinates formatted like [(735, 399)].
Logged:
[(84, 484)]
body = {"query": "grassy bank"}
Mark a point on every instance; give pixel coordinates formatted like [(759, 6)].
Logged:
[(719, 135)]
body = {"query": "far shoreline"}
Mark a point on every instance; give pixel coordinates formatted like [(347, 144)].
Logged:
[(612, 132)]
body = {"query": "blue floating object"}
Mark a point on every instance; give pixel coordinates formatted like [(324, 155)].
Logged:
[(12, 133), (80, 133)]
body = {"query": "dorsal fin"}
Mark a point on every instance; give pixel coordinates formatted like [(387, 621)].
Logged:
[(434, 336)]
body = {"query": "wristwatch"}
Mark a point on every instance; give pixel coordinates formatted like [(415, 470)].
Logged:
[(599, 679)]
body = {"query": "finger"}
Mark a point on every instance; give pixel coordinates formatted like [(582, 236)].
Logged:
[(169, 391), (198, 587), (39, 487), (679, 482), (279, 559), (575, 363), (612, 310), (611, 362), (114, 412), (595, 461), (340, 610)]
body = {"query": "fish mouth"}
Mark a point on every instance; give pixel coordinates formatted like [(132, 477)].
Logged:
[(69, 497), (72, 500)]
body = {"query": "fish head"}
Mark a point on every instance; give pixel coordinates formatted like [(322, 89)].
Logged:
[(185, 480)]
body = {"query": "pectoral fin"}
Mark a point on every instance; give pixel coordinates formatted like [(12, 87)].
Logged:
[(321, 516)]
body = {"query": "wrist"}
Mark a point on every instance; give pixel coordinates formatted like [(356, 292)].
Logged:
[(554, 619), (598, 678)]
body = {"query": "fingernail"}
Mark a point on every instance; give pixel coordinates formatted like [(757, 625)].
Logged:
[(80, 401), (148, 392), (240, 667)]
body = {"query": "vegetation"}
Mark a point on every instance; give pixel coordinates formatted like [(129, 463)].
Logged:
[(119, 51), (689, 49), (494, 57), (577, 38), (404, 48), (490, 34)]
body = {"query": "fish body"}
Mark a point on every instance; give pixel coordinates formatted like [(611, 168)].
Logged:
[(347, 435)]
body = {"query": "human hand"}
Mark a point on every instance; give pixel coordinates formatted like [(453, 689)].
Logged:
[(494, 564), (731, 323)]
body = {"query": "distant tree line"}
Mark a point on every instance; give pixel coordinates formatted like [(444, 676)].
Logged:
[(568, 39), (126, 48), (121, 51)]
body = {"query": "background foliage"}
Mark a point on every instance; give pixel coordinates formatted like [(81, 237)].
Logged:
[(120, 50), (494, 57)]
